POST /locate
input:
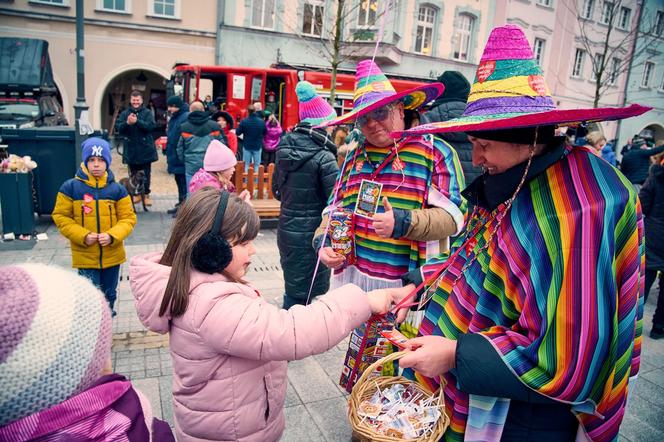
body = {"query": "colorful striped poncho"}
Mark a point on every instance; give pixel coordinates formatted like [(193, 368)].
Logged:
[(557, 293), (432, 177)]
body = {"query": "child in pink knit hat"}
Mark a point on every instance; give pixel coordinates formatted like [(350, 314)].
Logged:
[(217, 171)]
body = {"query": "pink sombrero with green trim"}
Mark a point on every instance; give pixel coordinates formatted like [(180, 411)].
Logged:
[(374, 90), (509, 92)]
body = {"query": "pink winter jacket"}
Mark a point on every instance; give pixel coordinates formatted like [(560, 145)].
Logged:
[(230, 348)]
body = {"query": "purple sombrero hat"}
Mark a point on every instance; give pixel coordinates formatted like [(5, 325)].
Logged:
[(373, 90), (509, 92)]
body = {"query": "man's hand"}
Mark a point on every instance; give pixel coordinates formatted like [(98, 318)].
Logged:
[(331, 258), (430, 355), (104, 239), (132, 118), (90, 238), (383, 223)]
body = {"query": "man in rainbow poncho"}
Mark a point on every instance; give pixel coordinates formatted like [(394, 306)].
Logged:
[(535, 322), (420, 182)]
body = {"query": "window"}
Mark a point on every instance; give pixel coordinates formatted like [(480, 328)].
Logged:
[(648, 71), (115, 5), (615, 71), (425, 20), (587, 9), (368, 12), (312, 23), (577, 70), (607, 12), (538, 50), (262, 14), (659, 23), (463, 33), (661, 85), (598, 61), (624, 18), (165, 8), (52, 2), (544, 2)]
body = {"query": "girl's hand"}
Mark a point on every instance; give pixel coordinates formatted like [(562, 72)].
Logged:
[(245, 196), (398, 294), (430, 355), (380, 300)]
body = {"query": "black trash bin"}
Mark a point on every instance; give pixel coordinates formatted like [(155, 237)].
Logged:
[(54, 150), (18, 215)]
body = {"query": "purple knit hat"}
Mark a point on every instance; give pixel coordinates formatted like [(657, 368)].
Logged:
[(313, 109), (55, 337), (218, 157)]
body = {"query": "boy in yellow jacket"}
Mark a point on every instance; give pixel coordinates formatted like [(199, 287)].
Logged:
[(95, 214)]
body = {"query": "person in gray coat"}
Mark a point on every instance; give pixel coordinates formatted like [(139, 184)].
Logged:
[(451, 104)]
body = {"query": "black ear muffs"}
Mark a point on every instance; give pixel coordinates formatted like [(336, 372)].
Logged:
[(212, 253)]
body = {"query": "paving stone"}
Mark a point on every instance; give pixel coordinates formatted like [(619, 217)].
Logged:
[(649, 391), (331, 417), (153, 372), (310, 381), (166, 398), (150, 389), (292, 398), (300, 427), (636, 430), (643, 410), (655, 376)]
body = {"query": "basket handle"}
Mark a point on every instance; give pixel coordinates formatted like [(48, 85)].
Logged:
[(393, 357)]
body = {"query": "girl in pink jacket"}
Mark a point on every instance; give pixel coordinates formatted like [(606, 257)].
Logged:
[(229, 346)]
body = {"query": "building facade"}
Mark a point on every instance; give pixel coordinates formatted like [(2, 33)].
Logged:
[(645, 78), (129, 44)]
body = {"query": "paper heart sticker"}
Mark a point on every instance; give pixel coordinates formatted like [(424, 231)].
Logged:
[(485, 70), (536, 83), (87, 198)]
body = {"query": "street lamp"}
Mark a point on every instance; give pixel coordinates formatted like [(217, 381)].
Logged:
[(80, 104)]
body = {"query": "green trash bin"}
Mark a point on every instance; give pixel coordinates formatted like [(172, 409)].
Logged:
[(18, 214), (54, 150)]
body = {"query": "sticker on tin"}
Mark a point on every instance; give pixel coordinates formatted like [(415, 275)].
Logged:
[(368, 198)]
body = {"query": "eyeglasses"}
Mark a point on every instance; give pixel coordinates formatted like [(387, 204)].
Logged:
[(379, 114)]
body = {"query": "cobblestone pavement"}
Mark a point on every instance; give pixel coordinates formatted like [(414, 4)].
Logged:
[(315, 404)]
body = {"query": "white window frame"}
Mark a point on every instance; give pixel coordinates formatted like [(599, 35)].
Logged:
[(661, 84), (62, 3), (577, 67), (598, 59), (587, 8), (614, 74), (127, 9), (607, 10), (538, 50), (315, 5), (546, 3), (264, 14), (426, 21), (366, 13), (621, 17), (659, 23), (648, 73), (153, 13), (462, 36)]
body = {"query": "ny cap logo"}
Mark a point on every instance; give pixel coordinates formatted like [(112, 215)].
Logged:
[(97, 151)]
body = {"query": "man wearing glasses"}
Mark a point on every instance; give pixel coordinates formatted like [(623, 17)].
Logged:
[(401, 197)]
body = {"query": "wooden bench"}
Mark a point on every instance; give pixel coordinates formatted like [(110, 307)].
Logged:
[(259, 186)]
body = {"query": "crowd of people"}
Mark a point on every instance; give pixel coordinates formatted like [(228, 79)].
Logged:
[(485, 216)]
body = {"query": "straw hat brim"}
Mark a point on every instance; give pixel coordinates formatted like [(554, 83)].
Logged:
[(514, 121), (431, 91)]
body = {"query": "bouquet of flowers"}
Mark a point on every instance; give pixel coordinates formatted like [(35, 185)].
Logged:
[(17, 164)]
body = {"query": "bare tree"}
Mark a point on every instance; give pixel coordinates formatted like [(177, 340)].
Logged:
[(611, 41), (337, 44)]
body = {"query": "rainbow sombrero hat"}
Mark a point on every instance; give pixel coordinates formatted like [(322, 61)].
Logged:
[(509, 92), (373, 90)]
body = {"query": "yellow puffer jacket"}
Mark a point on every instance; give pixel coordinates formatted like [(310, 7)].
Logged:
[(86, 204)]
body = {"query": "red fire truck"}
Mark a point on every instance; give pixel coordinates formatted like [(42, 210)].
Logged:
[(238, 87)]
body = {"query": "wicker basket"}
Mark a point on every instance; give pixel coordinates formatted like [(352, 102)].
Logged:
[(364, 390)]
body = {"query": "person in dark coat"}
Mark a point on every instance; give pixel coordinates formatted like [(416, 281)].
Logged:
[(451, 104), (136, 124), (253, 130), (304, 176), (195, 135), (652, 204), (636, 161), (179, 111)]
